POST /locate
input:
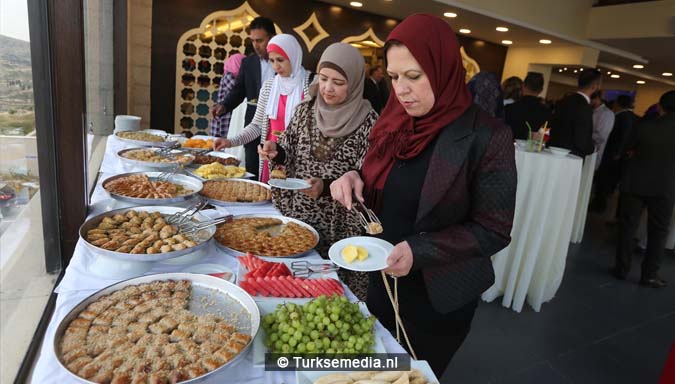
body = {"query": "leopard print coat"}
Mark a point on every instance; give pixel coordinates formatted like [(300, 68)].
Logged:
[(310, 154)]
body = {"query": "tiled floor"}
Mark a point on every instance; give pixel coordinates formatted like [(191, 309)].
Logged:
[(596, 330)]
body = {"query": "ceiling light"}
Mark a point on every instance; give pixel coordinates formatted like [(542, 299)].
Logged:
[(502, 29), (615, 76), (609, 72), (450, 14), (465, 31), (545, 41), (560, 70), (638, 66), (666, 74), (575, 71), (640, 81), (507, 42), (565, 68), (356, 4)]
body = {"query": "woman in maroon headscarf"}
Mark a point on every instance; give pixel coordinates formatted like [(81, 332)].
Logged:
[(440, 174)]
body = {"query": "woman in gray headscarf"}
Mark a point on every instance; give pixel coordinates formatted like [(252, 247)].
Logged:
[(327, 136)]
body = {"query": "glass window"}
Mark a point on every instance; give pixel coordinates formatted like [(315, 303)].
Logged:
[(25, 284)]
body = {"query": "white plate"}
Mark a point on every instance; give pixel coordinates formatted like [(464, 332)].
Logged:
[(558, 151), (378, 250), (309, 377), (270, 306), (206, 269), (242, 270), (290, 183)]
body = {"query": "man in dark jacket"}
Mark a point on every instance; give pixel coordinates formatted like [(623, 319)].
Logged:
[(572, 126), (611, 165), (649, 180), (529, 108), (375, 88), (255, 69)]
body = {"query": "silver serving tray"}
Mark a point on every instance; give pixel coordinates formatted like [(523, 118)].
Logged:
[(166, 143), (203, 239), (284, 220), (186, 181), (219, 154), (193, 173), (222, 295), (152, 164), (222, 203)]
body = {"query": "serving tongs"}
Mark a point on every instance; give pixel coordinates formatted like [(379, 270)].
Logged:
[(369, 221), (192, 228), (185, 216), (166, 175), (166, 151), (304, 268)]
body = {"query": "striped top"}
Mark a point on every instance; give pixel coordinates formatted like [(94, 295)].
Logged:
[(260, 125)]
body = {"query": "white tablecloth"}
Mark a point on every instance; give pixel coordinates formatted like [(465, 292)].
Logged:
[(532, 265), (587, 173), (78, 283)]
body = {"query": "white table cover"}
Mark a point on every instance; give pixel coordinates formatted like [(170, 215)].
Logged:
[(78, 283), (587, 173), (532, 265)]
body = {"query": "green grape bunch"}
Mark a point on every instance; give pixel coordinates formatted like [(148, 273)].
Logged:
[(324, 325)]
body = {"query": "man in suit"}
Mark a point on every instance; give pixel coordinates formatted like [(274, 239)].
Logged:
[(649, 180), (255, 69), (572, 125), (529, 108), (375, 88), (609, 173)]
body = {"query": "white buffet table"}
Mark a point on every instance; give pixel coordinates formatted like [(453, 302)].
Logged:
[(79, 283), (532, 266), (587, 173)]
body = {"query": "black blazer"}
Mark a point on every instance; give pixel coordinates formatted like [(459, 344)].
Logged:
[(651, 170), (572, 125), (372, 93), (247, 86), (466, 209), (526, 109), (618, 138)]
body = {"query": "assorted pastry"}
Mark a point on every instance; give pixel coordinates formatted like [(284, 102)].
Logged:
[(198, 143), (278, 174), (235, 191), (138, 232), (140, 186), (146, 333), (220, 171), (153, 156), (265, 236), (140, 136), (208, 159)]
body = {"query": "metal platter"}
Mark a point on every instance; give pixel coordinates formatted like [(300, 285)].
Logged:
[(167, 142), (154, 164), (222, 203), (284, 220), (202, 238), (188, 182), (208, 295)]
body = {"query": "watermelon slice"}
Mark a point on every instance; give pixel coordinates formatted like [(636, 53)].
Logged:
[(259, 287), (269, 287), (290, 286), (296, 283), (248, 288), (276, 282)]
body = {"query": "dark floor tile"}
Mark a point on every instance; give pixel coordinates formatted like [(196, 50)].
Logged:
[(538, 374)]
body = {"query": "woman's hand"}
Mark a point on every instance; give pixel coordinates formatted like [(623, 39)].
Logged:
[(400, 260), (268, 151), (342, 189), (316, 188), (217, 110), (220, 143)]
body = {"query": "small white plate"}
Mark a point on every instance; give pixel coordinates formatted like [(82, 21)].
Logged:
[(378, 250), (208, 269), (265, 307), (290, 183), (309, 377)]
